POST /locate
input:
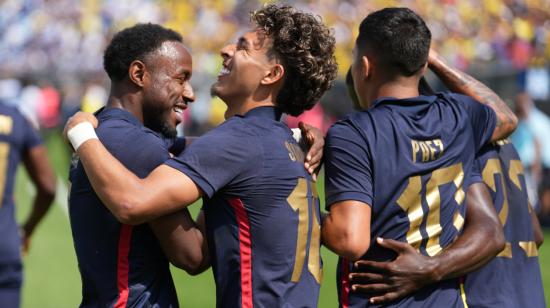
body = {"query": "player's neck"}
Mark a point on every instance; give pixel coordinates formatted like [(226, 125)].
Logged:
[(400, 89), (127, 100), (241, 107)]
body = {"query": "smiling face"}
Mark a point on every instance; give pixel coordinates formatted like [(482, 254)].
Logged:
[(168, 90), (245, 64)]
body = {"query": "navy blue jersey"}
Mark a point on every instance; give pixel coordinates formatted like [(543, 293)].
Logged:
[(17, 137), (513, 278), (261, 210), (120, 265), (408, 159)]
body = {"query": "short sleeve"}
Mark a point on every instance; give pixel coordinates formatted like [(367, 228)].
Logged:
[(138, 149), (31, 137), (348, 172), (482, 118), (219, 158), (475, 173), (175, 145)]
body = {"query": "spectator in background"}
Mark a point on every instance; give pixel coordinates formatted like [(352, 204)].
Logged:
[(533, 144)]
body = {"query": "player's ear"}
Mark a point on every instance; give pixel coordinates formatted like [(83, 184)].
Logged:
[(137, 73), (275, 73), (367, 67)]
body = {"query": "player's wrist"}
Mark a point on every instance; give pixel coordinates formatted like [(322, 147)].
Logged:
[(435, 270), (81, 133)]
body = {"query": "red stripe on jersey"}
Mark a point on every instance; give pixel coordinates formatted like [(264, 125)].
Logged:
[(245, 252), (344, 296), (123, 266)]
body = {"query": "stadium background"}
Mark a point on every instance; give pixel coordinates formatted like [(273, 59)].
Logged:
[(51, 66)]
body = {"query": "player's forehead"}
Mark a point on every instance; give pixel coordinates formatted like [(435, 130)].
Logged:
[(171, 56)]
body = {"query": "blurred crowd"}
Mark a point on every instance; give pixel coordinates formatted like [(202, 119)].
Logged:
[(51, 54)]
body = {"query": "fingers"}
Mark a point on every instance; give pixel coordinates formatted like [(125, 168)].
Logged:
[(367, 278), (316, 141), (394, 245), (377, 288), (386, 298), (371, 266)]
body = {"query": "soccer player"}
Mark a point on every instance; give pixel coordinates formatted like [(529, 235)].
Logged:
[(512, 279), (481, 239), (261, 207), (19, 142), (397, 169), (123, 265)]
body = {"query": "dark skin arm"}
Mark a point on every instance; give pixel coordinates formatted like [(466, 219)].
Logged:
[(460, 82), (481, 240), (43, 178), (183, 240)]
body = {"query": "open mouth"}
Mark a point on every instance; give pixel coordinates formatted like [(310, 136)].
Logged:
[(224, 71), (179, 108)]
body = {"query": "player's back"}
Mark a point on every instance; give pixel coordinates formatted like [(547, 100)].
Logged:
[(119, 264), (513, 278), (408, 160), (16, 137), (261, 210)]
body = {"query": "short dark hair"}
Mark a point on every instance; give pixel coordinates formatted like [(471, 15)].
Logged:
[(306, 48), (132, 44), (397, 37)]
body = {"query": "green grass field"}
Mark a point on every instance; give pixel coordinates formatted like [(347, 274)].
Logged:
[(51, 272)]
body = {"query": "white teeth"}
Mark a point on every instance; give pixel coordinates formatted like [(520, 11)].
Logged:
[(178, 110), (224, 71)]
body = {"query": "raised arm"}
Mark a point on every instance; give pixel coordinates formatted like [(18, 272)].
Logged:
[(481, 240), (131, 200), (460, 82)]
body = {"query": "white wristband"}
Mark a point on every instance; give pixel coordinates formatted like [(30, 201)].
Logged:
[(81, 133), (297, 134)]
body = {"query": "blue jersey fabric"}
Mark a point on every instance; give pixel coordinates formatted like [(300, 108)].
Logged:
[(513, 278), (17, 137), (119, 263), (261, 211), (408, 159)]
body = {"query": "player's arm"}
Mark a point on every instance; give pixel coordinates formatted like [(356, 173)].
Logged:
[(481, 240), (42, 176), (537, 230), (182, 240), (348, 185), (131, 200), (460, 82), (346, 229)]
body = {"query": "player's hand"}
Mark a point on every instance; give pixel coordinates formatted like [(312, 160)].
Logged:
[(25, 241), (388, 281), (315, 139), (78, 118)]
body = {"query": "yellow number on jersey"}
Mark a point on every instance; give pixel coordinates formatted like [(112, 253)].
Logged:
[(298, 200)]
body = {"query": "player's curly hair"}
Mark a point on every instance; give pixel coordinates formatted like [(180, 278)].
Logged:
[(134, 43), (306, 48)]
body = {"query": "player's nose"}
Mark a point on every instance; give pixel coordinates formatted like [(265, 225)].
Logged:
[(188, 93), (227, 52)]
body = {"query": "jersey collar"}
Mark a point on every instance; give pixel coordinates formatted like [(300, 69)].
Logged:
[(421, 99), (269, 112), (111, 112)]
